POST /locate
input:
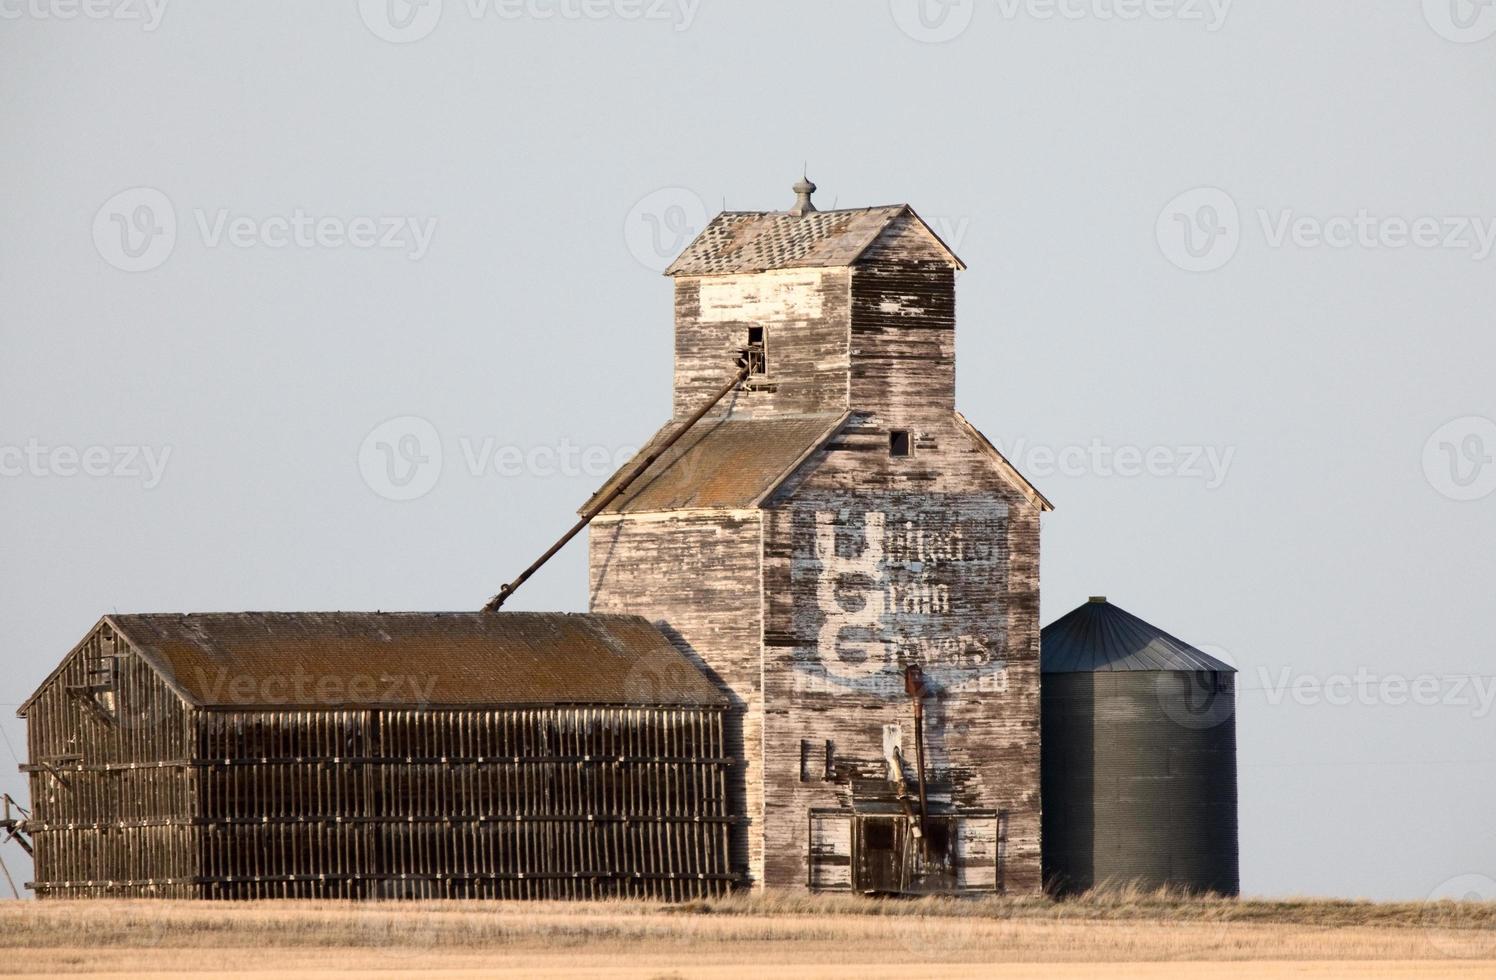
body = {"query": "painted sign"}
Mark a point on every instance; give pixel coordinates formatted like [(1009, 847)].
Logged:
[(877, 589)]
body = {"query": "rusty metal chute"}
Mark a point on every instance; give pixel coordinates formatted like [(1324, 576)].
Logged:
[(914, 686), (745, 364)]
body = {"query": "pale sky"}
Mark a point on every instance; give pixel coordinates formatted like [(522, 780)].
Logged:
[(1229, 306)]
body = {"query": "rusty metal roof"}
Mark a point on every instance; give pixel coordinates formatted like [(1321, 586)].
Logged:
[(755, 241), (721, 464), (409, 659), (1100, 637)]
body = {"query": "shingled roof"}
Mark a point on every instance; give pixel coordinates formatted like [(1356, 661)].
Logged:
[(412, 659), (721, 464), (755, 241), (1100, 637)]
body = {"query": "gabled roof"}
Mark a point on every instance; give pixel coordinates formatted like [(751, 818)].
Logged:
[(1100, 637), (721, 464), (755, 241), (411, 659), (1009, 471)]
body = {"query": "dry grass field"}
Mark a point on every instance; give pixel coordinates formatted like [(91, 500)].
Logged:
[(1135, 935)]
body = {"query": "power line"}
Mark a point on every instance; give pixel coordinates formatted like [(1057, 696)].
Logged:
[(12, 748)]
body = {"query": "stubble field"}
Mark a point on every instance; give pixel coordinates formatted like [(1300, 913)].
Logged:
[(789, 936)]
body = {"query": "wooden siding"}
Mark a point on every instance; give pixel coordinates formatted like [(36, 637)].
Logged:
[(563, 802), (696, 576), (109, 791), (804, 315), (873, 562), (903, 296), (136, 793)]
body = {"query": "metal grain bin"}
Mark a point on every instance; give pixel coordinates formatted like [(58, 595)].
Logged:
[(1139, 757)]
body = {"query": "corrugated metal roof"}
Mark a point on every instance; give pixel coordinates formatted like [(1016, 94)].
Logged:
[(362, 659), (755, 241), (1099, 636), (721, 464)]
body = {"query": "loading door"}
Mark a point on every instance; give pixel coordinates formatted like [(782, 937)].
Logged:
[(878, 853)]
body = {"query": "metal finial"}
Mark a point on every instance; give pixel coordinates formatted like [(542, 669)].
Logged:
[(803, 189)]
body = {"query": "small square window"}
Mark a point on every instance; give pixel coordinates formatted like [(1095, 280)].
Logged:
[(899, 443)]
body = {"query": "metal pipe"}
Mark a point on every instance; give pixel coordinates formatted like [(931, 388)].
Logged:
[(901, 793), (744, 367), (914, 685)]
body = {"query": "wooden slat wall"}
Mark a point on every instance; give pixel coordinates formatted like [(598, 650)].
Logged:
[(110, 793), (560, 802), (553, 802), (903, 316)]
